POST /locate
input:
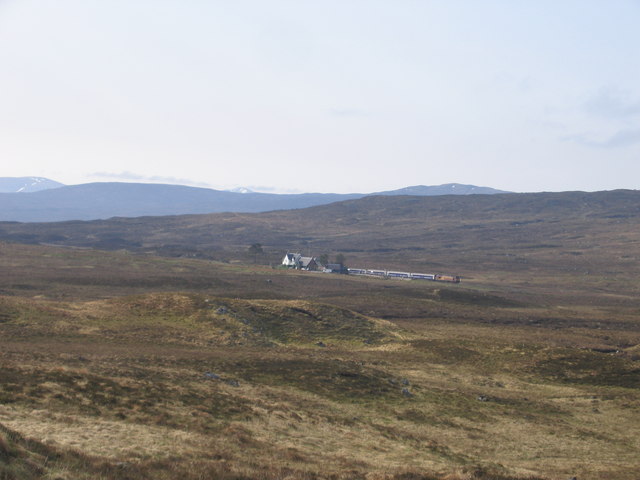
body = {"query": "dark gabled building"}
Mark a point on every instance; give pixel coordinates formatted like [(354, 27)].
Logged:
[(307, 263)]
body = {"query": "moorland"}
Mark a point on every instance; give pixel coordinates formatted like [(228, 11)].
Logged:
[(159, 347)]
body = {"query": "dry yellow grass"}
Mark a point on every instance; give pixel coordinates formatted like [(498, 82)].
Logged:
[(105, 438), (306, 388)]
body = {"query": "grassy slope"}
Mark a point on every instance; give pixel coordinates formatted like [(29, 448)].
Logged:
[(513, 372), (100, 355)]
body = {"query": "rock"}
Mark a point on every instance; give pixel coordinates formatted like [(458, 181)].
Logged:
[(233, 383), (212, 376), (221, 310), (406, 392), (321, 344), (483, 398), (405, 381)]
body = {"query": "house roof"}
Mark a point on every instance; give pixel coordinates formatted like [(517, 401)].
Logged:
[(306, 261), (291, 257)]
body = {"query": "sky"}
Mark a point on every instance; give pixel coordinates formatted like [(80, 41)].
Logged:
[(323, 96)]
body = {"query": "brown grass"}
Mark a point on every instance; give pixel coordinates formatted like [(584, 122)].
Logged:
[(108, 366)]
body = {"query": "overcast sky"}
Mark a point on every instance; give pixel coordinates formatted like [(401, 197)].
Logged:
[(330, 96)]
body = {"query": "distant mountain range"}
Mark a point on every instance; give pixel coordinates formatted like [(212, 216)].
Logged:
[(26, 184), (92, 201)]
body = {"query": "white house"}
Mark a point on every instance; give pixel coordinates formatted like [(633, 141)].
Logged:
[(296, 260), (291, 260)]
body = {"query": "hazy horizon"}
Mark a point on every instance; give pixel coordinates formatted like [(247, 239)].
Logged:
[(337, 97), (275, 190)]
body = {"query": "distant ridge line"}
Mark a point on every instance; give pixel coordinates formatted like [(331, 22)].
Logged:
[(102, 200)]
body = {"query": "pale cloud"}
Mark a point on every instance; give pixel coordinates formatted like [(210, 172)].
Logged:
[(614, 103), (131, 176), (266, 189), (349, 112), (619, 110), (621, 139), (126, 176)]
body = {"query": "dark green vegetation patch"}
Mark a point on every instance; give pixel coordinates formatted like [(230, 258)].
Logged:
[(592, 368)]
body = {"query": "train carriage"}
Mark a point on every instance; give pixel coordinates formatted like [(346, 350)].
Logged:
[(423, 276), (377, 273), (399, 274)]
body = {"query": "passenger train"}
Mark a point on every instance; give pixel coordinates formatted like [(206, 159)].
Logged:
[(413, 276)]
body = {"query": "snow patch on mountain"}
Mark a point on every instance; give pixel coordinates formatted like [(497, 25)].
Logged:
[(241, 190), (27, 184)]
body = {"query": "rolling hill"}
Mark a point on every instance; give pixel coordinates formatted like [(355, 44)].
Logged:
[(93, 201)]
